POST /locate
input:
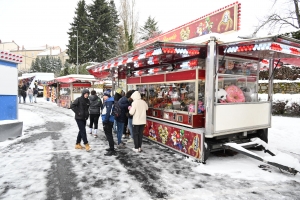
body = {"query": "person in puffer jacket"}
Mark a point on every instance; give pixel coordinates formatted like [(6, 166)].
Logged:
[(95, 107), (138, 111), (81, 109), (108, 121)]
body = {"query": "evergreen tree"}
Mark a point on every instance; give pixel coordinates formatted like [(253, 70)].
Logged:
[(49, 64), (32, 67), (43, 65), (66, 69), (36, 65), (150, 29), (103, 31), (58, 66), (78, 31)]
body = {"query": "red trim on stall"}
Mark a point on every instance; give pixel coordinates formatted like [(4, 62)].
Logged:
[(153, 78), (82, 84), (132, 80), (180, 76)]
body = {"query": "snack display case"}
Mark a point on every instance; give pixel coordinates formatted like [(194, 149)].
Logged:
[(172, 100)]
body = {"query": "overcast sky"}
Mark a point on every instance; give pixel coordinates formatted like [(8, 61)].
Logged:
[(35, 23)]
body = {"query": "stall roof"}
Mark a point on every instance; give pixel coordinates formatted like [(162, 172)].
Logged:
[(157, 53), (278, 47), (75, 78), (166, 53)]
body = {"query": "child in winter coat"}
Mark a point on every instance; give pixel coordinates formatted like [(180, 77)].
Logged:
[(30, 94)]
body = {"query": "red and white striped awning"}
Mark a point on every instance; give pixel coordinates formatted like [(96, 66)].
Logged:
[(147, 57), (7, 56)]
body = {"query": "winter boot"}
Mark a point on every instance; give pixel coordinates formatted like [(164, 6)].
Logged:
[(95, 133), (87, 147), (78, 146), (90, 131)]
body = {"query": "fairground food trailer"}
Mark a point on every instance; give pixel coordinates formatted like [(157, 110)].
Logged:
[(69, 87), (203, 96)]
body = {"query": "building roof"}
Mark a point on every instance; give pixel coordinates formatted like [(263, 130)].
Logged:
[(48, 52)]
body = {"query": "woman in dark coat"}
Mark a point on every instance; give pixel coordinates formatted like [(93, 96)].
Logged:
[(81, 109), (95, 106)]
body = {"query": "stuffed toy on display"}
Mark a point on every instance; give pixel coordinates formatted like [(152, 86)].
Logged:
[(234, 94), (200, 107), (221, 96), (248, 93), (191, 107)]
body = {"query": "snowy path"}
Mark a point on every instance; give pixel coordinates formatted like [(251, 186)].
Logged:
[(43, 164)]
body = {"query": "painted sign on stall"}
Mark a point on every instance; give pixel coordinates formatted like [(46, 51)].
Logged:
[(220, 21), (179, 139)]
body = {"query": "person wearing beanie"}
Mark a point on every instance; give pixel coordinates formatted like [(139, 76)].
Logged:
[(138, 111), (81, 109), (108, 121), (95, 107)]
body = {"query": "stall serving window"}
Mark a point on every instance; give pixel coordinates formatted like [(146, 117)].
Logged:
[(237, 81)]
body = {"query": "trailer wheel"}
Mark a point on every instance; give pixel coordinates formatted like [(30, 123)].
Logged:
[(263, 134), (207, 149)]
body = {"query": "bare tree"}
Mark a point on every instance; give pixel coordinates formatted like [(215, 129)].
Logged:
[(129, 21), (289, 18)]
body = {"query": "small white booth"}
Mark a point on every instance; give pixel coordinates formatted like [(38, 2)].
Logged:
[(10, 126)]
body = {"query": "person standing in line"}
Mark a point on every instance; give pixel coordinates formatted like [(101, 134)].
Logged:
[(35, 93), (116, 99), (108, 121), (128, 95), (122, 119), (95, 107), (20, 92), (30, 94), (81, 109), (24, 93), (138, 111)]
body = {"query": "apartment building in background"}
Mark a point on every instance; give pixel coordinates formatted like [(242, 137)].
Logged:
[(31, 53)]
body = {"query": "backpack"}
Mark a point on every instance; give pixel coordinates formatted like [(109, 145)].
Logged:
[(116, 110)]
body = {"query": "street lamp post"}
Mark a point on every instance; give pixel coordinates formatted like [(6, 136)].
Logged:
[(77, 51)]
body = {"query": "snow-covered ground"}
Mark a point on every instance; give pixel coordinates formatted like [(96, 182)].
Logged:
[(43, 164)]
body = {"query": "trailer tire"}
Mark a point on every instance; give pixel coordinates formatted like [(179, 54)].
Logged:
[(207, 149), (263, 134)]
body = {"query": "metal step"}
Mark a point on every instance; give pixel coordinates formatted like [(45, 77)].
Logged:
[(241, 148)]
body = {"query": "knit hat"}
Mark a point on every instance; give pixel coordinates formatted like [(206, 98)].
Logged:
[(119, 90), (84, 91), (106, 93)]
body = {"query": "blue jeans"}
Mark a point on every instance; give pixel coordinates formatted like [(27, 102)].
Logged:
[(120, 127), (130, 126), (114, 126), (30, 98), (82, 132)]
